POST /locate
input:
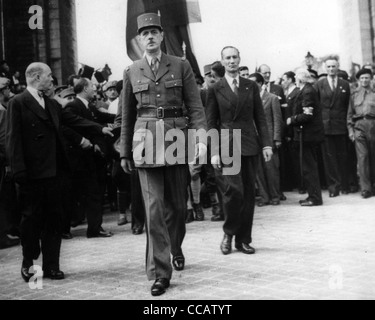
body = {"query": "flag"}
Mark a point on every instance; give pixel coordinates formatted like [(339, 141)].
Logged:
[(175, 18)]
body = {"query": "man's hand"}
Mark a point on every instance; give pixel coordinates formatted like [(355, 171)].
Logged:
[(267, 154), (289, 121), (200, 152), (107, 131), (127, 165), (86, 144), (216, 162), (278, 144), (98, 150)]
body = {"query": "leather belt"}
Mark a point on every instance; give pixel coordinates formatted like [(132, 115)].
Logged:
[(161, 113)]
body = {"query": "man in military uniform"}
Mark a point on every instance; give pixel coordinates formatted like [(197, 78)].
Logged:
[(361, 126), (159, 90)]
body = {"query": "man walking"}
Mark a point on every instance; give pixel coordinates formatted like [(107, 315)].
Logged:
[(234, 103), (35, 147), (159, 90)]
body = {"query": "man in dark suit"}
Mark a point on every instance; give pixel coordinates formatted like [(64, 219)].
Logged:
[(89, 164), (35, 147), (334, 98), (291, 175), (309, 133), (159, 92), (234, 103)]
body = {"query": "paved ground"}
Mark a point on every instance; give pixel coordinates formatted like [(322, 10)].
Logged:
[(302, 253)]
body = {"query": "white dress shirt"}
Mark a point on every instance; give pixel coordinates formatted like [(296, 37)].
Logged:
[(332, 82), (35, 94), (230, 80)]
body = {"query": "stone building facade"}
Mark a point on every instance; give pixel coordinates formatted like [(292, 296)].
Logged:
[(55, 44)]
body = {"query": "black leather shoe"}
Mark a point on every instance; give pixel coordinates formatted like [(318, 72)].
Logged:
[(334, 194), (100, 234), (159, 287), (67, 236), (262, 204), (283, 197), (275, 202), (226, 245), (199, 214), (26, 265), (309, 203), (178, 263), (217, 218), (137, 231), (245, 248), (53, 274), (302, 191), (366, 194)]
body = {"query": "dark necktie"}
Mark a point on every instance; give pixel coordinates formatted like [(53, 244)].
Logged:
[(41, 94), (333, 85), (154, 65), (235, 88)]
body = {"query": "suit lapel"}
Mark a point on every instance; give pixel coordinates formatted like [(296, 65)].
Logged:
[(147, 72), (228, 94), (52, 111), (243, 92), (34, 106)]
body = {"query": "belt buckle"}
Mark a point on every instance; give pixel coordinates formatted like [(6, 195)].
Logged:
[(160, 113)]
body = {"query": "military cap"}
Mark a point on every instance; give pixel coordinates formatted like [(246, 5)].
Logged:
[(108, 85), (58, 89), (362, 72), (148, 20), (207, 69), (67, 93)]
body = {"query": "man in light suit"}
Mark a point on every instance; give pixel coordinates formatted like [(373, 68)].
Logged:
[(234, 103), (334, 99), (268, 174), (35, 147), (159, 92)]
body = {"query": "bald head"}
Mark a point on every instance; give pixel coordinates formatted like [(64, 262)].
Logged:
[(39, 76), (265, 71)]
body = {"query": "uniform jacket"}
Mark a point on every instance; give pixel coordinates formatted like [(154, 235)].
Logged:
[(173, 86), (362, 103), (35, 135), (2, 133), (334, 106), (308, 115), (272, 111), (227, 111)]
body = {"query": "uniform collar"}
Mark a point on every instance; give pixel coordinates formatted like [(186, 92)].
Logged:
[(149, 58)]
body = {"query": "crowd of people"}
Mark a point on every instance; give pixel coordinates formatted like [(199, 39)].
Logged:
[(73, 144)]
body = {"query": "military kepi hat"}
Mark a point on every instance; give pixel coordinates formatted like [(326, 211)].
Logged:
[(148, 20), (362, 72), (207, 69)]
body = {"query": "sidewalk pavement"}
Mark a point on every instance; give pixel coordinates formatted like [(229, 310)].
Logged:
[(325, 252)]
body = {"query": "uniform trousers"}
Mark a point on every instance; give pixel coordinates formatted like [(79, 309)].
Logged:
[(365, 148), (164, 196), (41, 208), (238, 197), (335, 156)]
